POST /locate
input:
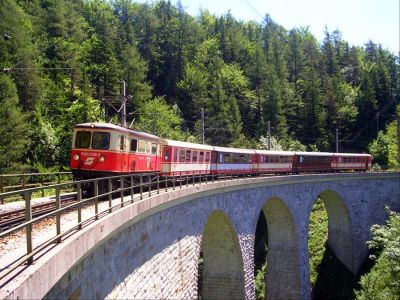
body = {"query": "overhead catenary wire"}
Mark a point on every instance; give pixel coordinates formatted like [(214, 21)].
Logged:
[(38, 52)]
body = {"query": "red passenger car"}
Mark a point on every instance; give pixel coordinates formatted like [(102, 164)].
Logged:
[(267, 161), (180, 158), (312, 162), (101, 149), (349, 161)]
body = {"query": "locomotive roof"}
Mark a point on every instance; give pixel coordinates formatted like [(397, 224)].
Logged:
[(273, 152), (114, 127), (173, 143), (234, 150)]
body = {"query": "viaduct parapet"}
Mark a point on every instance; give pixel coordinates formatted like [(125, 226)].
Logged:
[(151, 249)]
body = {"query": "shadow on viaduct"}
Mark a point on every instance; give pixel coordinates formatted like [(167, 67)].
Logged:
[(151, 249)]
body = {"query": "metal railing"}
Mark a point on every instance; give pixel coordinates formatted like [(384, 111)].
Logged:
[(16, 182), (128, 188)]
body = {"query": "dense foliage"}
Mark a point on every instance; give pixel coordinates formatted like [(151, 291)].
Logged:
[(382, 282), (63, 62), (318, 235)]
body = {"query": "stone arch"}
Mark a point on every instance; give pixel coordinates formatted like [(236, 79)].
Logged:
[(283, 268), (339, 228), (223, 273)]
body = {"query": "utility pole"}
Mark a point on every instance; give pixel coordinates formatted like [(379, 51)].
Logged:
[(377, 123), (398, 141), (123, 107), (269, 135), (202, 125), (337, 140)]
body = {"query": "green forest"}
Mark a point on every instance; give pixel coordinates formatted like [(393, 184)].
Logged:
[(62, 62)]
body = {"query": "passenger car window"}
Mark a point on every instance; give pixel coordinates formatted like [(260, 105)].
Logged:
[(194, 159), (182, 155), (167, 154), (188, 155), (201, 157), (82, 139), (101, 140)]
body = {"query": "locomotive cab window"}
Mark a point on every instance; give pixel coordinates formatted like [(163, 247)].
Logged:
[(101, 140), (122, 142), (82, 139), (158, 149), (153, 148), (142, 146), (134, 143), (148, 147)]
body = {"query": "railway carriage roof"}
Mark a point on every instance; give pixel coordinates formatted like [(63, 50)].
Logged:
[(234, 150), (117, 128), (188, 145), (272, 152), (352, 155), (314, 153)]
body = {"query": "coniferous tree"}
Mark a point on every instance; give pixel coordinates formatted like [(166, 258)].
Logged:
[(17, 53), (310, 91), (13, 130), (101, 63), (63, 55)]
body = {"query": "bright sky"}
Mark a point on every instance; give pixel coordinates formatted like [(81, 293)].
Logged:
[(357, 20)]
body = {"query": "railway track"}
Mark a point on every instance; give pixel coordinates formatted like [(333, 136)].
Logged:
[(14, 217)]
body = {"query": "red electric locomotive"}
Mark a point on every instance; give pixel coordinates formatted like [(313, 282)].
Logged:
[(101, 149)]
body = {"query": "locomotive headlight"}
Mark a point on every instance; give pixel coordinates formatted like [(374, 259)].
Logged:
[(76, 157), (102, 159)]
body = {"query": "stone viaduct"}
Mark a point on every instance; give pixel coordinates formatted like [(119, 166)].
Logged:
[(151, 249)]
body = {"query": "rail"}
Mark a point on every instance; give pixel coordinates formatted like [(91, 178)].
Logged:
[(108, 189)]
